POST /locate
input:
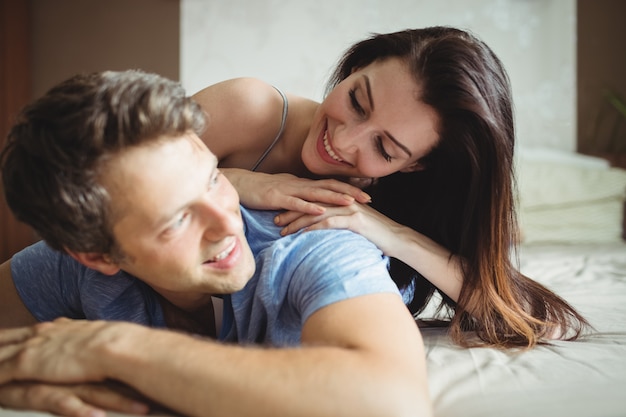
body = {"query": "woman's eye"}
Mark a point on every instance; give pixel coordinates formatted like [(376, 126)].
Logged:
[(355, 103), (381, 149)]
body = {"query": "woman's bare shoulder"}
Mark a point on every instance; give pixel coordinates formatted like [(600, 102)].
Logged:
[(251, 98), (247, 111)]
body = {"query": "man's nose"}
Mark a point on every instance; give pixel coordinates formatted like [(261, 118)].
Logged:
[(220, 220)]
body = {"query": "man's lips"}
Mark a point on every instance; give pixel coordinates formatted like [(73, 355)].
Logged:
[(228, 257)]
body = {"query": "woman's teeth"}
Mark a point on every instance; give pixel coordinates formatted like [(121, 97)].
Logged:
[(329, 150)]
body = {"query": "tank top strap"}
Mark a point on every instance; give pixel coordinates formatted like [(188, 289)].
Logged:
[(280, 131)]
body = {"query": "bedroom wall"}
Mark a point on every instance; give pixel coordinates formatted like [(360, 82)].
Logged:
[(295, 44), (70, 36), (43, 42), (14, 94), (601, 67)]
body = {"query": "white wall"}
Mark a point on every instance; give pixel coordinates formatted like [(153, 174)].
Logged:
[(294, 44)]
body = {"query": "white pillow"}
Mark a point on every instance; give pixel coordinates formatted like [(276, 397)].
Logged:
[(560, 157), (571, 199)]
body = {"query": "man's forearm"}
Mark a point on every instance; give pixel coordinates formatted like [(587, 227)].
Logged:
[(360, 357), (199, 378)]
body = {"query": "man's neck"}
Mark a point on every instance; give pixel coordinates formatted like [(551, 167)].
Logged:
[(199, 320)]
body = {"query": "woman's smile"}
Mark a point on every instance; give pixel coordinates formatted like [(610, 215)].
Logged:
[(326, 151)]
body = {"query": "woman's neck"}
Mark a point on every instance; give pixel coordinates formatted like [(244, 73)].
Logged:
[(287, 154)]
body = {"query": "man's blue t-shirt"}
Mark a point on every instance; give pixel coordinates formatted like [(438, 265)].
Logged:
[(295, 276)]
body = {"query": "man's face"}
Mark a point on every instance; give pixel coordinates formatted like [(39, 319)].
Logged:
[(177, 220)]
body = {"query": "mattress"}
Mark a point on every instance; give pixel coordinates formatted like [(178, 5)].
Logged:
[(585, 378)]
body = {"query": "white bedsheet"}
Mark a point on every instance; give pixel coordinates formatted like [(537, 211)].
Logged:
[(586, 378)]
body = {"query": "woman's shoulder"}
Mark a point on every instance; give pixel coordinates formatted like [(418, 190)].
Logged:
[(249, 96), (243, 115)]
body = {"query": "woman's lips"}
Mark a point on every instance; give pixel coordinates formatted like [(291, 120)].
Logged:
[(326, 150), (329, 149)]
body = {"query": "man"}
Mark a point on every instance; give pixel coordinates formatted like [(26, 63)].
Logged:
[(109, 169)]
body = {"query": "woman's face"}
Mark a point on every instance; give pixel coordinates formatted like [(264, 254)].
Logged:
[(371, 125)]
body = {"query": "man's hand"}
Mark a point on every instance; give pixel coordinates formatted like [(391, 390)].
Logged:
[(78, 400), (63, 351)]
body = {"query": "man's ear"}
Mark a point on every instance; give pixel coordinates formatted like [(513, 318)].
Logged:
[(94, 260), (415, 166)]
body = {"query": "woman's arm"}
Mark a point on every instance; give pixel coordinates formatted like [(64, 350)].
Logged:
[(424, 255), (285, 191), (244, 116)]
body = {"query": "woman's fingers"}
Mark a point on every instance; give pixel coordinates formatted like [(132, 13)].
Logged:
[(288, 192), (332, 218), (299, 205), (336, 192), (348, 189), (309, 198), (287, 217)]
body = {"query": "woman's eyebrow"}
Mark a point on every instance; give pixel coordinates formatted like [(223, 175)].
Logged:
[(398, 144)]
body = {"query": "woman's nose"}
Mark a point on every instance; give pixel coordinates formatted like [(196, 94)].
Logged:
[(348, 139)]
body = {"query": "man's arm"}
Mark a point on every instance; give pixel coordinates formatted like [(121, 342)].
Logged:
[(72, 400), (360, 357), (13, 312)]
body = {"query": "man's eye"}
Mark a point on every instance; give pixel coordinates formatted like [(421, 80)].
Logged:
[(355, 103), (215, 178), (180, 222)]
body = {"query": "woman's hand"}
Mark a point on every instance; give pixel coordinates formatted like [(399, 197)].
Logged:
[(76, 400), (360, 218), (285, 191), (424, 255)]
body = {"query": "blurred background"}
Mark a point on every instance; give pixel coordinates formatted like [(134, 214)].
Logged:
[(566, 58)]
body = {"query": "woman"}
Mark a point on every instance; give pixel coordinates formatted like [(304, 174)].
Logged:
[(423, 120)]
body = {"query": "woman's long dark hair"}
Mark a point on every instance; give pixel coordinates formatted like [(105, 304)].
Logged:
[(464, 199)]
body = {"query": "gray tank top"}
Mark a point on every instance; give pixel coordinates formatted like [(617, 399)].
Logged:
[(278, 135)]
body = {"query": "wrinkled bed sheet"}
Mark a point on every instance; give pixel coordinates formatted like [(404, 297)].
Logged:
[(586, 378)]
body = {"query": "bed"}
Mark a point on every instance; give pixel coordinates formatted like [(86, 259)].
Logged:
[(571, 214), (585, 378)]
